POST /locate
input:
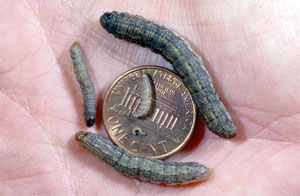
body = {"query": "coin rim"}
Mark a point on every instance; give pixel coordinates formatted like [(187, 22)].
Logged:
[(178, 148)]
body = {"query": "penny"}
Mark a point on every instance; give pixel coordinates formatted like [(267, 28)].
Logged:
[(161, 133)]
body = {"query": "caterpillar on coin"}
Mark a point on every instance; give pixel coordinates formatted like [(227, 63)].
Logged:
[(146, 104), (186, 63), (87, 87), (138, 131), (156, 171)]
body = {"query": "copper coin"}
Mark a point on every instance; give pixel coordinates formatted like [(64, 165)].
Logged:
[(165, 130)]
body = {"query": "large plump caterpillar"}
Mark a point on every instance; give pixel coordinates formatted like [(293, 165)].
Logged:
[(144, 168), (87, 87), (146, 104), (186, 63)]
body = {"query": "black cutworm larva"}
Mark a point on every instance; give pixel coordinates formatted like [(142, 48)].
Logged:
[(186, 63), (146, 104), (144, 168), (87, 87)]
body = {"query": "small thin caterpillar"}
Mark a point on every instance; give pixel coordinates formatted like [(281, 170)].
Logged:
[(138, 131), (144, 168), (87, 87), (186, 63), (146, 103)]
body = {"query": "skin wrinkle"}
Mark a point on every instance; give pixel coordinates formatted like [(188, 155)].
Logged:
[(252, 120), (287, 124), (261, 130), (33, 165), (51, 49), (13, 67), (233, 23), (38, 76), (38, 123), (112, 51), (91, 160), (258, 153), (259, 139), (267, 173), (278, 133), (27, 176), (277, 152), (70, 187), (59, 118), (25, 107), (28, 113), (267, 127), (247, 129), (270, 179), (12, 156), (256, 136), (235, 39), (249, 119), (259, 162), (91, 35), (233, 105), (84, 162), (63, 33), (17, 103), (244, 24), (224, 157)]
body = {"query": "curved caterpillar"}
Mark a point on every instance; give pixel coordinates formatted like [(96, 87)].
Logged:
[(186, 63), (138, 131), (146, 103), (87, 87), (144, 168)]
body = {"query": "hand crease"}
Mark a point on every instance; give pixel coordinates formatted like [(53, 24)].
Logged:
[(45, 133), (26, 176)]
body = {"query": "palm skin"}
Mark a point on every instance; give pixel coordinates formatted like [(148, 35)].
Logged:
[(250, 48)]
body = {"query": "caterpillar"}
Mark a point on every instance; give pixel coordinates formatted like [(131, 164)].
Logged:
[(138, 131), (156, 171), (87, 87), (146, 104), (186, 63)]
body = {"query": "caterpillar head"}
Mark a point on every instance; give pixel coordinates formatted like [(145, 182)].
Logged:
[(107, 20)]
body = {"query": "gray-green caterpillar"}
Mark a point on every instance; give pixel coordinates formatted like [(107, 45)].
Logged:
[(86, 85), (186, 63), (146, 104), (144, 168)]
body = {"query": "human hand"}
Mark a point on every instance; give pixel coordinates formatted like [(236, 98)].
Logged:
[(250, 49)]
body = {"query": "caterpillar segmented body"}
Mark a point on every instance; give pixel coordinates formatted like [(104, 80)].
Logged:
[(87, 87), (146, 103), (186, 63), (156, 171)]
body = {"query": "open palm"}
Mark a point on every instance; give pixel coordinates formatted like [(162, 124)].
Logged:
[(251, 49)]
